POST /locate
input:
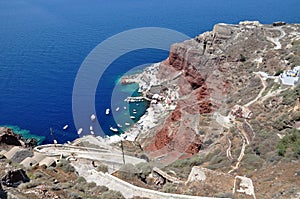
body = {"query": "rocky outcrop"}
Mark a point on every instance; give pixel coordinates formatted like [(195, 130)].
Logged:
[(3, 193), (210, 73), (7, 136), (241, 112), (198, 90), (15, 177)]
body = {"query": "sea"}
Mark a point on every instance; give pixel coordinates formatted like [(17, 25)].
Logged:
[(44, 42)]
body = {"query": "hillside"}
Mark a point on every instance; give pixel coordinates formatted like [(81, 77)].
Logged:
[(223, 121)]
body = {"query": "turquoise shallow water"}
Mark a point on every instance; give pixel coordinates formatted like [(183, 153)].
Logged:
[(25, 133), (43, 43)]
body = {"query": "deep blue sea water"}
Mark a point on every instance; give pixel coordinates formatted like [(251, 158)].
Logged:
[(43, 43)]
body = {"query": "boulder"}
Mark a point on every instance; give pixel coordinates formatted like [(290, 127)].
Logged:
[(31, 142), (7, 136), (15, 177), (3, 194)]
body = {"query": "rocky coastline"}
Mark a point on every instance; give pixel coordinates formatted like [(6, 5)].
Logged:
[(216, 127), (9, 137)]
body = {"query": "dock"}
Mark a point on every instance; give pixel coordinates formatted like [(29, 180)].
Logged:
[(137, 99)]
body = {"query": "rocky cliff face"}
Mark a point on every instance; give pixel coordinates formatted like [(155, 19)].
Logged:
[(211, 73), (7, 136)]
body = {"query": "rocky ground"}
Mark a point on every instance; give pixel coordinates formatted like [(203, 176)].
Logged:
[(215, 127), (225, 112)]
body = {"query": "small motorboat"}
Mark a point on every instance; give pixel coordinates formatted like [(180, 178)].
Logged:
[(113, 129), (65, 127), (93, 117), (132, 117), (119, 125), (107, 111), (79, 131), (127, 124), (91, 128), (117, 109)]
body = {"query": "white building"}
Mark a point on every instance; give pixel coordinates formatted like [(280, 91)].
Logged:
[(290, 77)]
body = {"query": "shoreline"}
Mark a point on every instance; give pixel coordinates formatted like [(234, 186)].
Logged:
[(24, 133), (159, 106)]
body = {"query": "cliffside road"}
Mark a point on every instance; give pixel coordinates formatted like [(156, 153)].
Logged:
[(113, 159), (128, 190)]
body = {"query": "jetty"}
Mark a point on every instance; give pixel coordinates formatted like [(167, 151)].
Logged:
[(137, 99)]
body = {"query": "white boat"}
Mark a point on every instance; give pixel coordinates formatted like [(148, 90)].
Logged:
[(118, 108), (93, 117), (107, 111), (65, 127), (91, 128), (92, 132), (132, 117), (79, 131), (119, 125), (113, 129), (127, 124), (125, 107)]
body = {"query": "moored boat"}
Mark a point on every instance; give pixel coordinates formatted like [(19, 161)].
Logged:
[(113, 129)]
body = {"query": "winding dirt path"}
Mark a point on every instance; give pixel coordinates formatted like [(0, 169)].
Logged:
[(259, 94), (275, 40), (242, 153)]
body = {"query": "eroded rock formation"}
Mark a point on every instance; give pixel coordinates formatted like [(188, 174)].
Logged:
[(212, 73), (15, 177)]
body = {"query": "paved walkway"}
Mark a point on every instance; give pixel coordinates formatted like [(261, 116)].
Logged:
[(113, 157), (128, 190)]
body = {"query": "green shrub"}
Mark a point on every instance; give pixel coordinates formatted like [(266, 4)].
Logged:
[(252, 162), (99, 189), (145, 169), (29, 185), (37, 175), (290, 141), (102, 168), (91, 185), (56, 187), (224, 195), (169, 188), (282, 122), (66, 185), (110, 194), (290, 96), (80, 180), (242, 58), (73, 195), (296, 116), (65, 166), (278, 72), (128, 171), (184, 167)]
